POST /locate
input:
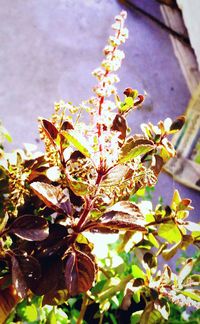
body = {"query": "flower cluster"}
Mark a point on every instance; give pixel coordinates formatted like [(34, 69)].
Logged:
[(113, 59)]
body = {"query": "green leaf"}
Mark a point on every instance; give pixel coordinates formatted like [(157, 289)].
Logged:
[(153, 240), (151, 315), (135, 317), (26, 312), (185, 271), (176, 199), (149, 218), (78, 141), (113, 319), (8, 137), (135, 147), (31, 313), (136, 295), (4, 133), (129, 101), (61, 316), (51, 319), (193, 294), (127, 104), (80, 188), (196, 235), (146, 130), (98, 287), (170, 232), (137, 272), (164, 154), (193, 280), (163, 307)]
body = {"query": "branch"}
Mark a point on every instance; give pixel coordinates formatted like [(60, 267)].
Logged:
[(83, 309)]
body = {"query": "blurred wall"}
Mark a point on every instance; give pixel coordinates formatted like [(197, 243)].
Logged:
[(191, 15)]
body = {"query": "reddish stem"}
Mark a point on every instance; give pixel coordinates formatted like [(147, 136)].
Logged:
[(99, 129), (83, 216)]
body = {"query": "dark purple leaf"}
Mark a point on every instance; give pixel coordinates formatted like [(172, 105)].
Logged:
[(79, 272), (24, 269), (86, 249), (157, 164), (150, 260), (52, 196), (35, 163), (100, 229), (139, 100), (177, 124), (67, 125), (57, 297), (120, 125), (77, 155), (31, 228), (76, 200), (50, 130), (38, 168), (127, 299), (18, 279), (51, 272), (55, 244), (129, 92), (29, 266), (37, 176), (123, 215)]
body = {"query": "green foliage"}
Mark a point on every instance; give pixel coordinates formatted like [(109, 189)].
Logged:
[(4, 135), (59, 209)]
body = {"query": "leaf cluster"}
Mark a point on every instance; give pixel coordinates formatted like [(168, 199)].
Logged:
[(83, 184)]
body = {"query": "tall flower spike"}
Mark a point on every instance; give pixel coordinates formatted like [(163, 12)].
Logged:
[(113, 59), (106, 78)]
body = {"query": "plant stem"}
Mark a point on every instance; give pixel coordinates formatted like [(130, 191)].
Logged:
[(101, 318), (83, 215), (4, 232), (160, 221), (106, 274), (99, 131), (83, 309), (113, 290)]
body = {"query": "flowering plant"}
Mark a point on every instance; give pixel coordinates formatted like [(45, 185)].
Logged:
[(83, 183)]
